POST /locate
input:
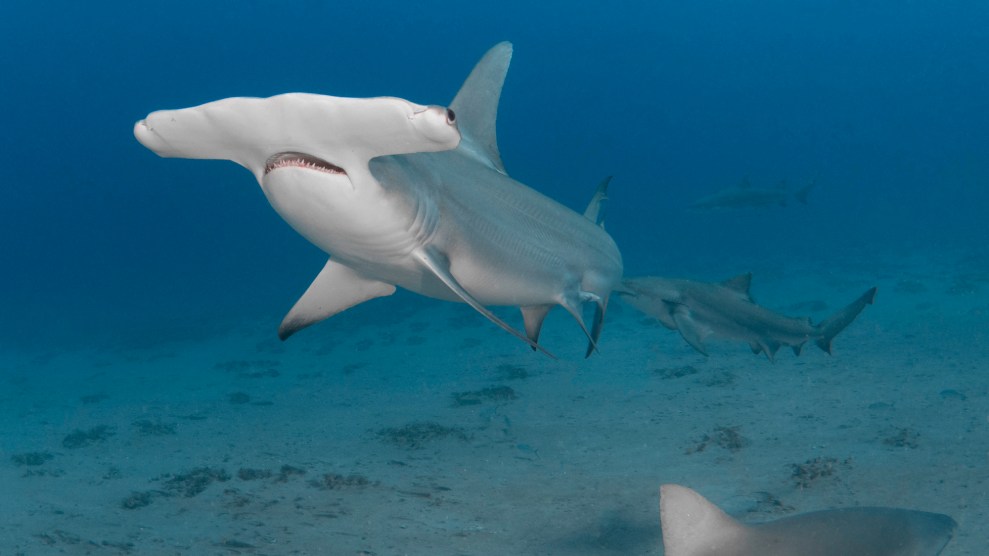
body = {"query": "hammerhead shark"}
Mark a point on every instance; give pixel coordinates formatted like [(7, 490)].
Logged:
[(746, 196), (699, 310), (407, 195), (693, 526)]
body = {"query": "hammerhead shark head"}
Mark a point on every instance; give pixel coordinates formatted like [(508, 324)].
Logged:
[(693, 526), (744, 195), (401, 194), (699, 310)]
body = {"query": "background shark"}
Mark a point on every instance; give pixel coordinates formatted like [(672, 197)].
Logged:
[(746, 196), (693, 526), (699, 310)]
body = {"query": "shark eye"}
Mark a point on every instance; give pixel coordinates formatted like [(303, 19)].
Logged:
[(450, 116)]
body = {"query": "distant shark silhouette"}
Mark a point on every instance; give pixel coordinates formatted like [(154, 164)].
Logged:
[(693, 526), (746, 196), (401, 194), (699, 310)]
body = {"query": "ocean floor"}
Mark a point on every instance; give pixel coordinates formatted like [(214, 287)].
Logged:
[(412, 426)]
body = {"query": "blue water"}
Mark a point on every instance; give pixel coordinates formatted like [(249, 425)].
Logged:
[(884, 104)]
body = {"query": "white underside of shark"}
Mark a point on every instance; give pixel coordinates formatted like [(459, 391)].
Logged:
[(400, 194)]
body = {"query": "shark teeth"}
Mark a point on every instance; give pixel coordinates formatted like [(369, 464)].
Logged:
[(301, 160)]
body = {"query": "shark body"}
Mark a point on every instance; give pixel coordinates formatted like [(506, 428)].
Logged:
[(400, 194), (699, 310), (746, 196), (693, 526)]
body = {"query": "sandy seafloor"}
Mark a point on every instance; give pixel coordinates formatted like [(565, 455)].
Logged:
[(392, 429)]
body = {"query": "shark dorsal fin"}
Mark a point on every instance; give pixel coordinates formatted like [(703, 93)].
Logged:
[(740, 283), (476, 105), (692, 525), (595, 209)]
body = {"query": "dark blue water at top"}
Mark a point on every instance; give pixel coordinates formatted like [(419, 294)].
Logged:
[(885, 104)]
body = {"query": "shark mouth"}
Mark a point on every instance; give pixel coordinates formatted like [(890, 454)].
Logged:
[(301, 160)]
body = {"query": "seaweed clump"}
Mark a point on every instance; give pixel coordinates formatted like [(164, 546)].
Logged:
[(416, 435), (195, 482), (477, 397), (80, 438)]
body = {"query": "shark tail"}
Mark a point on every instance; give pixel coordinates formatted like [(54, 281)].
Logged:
[(803, 192), (833, 325)]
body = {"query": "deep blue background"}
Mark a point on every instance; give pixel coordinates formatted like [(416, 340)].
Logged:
[(885, 104)]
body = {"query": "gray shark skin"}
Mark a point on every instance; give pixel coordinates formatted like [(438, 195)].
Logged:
[(699, 310), (400, 194), (746, 196), (693, 526)]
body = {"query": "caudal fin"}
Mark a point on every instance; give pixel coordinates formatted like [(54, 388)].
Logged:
[(831, 326), (803, 192)]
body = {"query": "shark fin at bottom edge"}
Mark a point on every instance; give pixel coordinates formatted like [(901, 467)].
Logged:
[(336, 288)]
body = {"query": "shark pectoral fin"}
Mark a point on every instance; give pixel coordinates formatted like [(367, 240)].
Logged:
[(336, 288), (533, 316), (691, 331), (438, 264)]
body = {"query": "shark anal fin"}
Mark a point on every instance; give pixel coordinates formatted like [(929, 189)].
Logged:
[(692, 332), (440, 267), (336, 288)]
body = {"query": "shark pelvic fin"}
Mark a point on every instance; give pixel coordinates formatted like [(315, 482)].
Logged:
[(476, 106), (533, 316), (438, 264), (336, 288)]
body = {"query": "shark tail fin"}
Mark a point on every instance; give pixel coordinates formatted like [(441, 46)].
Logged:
[(595, 209), (476, 105), (693, 525), (831, 326), (803, 192)]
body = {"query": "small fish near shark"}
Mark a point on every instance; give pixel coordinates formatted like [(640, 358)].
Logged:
[(699, 310), (407, 195), (746, 196), (693, 526)]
